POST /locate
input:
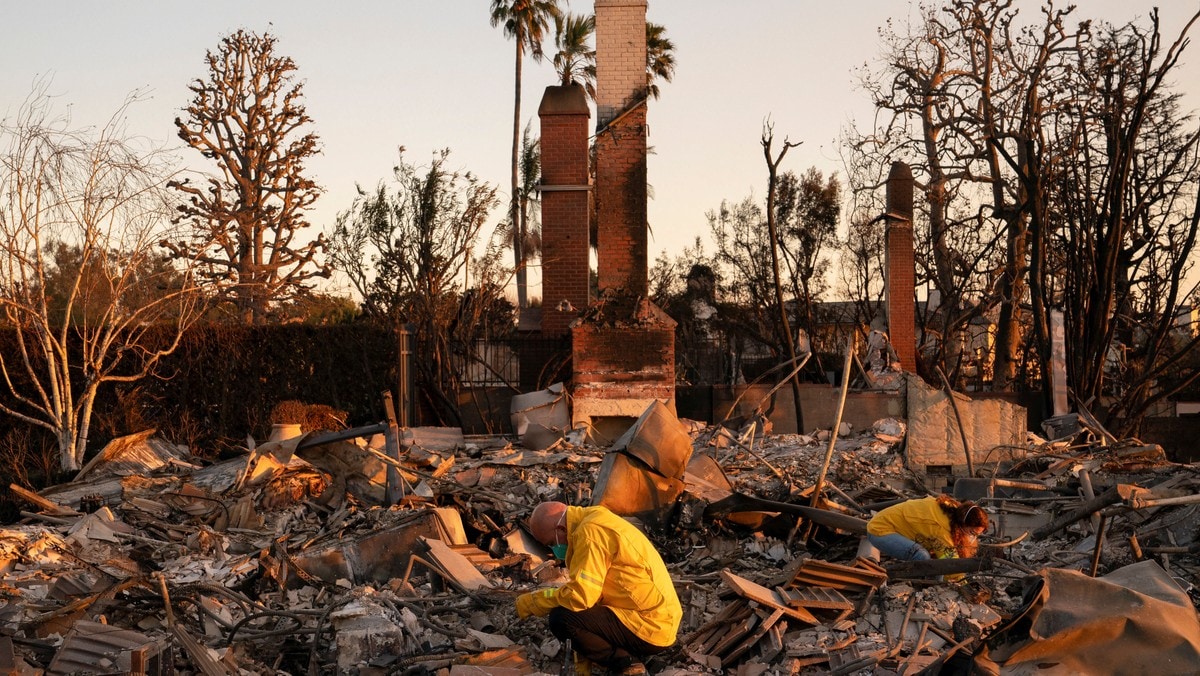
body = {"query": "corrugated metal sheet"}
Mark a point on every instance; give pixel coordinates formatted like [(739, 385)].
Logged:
[(94, 648), (138, 454)]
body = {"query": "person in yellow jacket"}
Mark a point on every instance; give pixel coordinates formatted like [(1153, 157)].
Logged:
[(619, 605), (933, 527)]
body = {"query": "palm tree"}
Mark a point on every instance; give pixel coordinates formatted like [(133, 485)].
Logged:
[(575, 60), (527, 195), (660, 57), (526, 21)]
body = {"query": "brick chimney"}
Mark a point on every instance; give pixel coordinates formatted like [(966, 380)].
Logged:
[(621, 87), (623, 348), (564, 119), (901, 267)]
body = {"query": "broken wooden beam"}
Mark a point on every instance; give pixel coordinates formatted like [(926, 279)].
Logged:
[(752, 639), (825, 598), (42, 503), (765, 597)]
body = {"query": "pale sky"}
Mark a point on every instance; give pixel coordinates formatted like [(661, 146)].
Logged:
[(426, 75)]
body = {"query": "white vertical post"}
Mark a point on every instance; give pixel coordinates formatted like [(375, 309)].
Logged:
[(1058, 363)]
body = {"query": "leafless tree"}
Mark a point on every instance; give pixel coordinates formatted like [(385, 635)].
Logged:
[(789, 338), (1120, 234), (860, 274), (89, 299), (248, 117), (1057, 172)]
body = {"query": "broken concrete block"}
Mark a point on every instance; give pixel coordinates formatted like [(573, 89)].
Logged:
[(627, 487), (490, 641), (435, 439), (1061, 426), (364, 630), (890, 430), (658, 439), (349, 462)]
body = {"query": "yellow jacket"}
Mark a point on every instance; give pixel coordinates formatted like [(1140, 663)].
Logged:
[(921, 521), (612, 564)]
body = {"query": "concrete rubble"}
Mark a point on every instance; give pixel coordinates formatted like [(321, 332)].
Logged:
[(286, 560)]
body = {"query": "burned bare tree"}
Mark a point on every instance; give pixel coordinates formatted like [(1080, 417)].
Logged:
[(408, 247), (773, 238), (743, 264), (928, 88), (88, 297), (859, 276), (248, 117), (1123, 225), (1035, 144)]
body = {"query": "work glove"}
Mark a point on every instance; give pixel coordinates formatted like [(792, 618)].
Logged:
[(525, 605)]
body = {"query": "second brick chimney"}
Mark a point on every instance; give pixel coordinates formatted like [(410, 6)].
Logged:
[(901, 267)]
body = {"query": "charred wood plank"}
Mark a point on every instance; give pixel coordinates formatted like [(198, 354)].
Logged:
[(745, 645)]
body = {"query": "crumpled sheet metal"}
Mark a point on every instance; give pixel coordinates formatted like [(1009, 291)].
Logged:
[(1135, 620)]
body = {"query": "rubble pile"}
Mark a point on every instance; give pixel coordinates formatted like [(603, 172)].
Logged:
[(286, 560)]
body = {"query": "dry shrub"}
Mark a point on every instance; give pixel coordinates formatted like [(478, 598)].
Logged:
[(28, 457), (186, 430), (311, 417)]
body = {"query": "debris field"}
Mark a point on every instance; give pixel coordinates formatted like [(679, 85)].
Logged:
[(303, 556)]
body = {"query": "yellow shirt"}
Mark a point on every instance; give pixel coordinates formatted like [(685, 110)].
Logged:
[(611, 563), (921, 521)]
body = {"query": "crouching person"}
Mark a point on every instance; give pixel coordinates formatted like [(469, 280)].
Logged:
[(619, 606), (933, 527)]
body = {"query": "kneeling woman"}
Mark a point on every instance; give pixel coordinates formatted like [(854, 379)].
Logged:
[(934, 527)]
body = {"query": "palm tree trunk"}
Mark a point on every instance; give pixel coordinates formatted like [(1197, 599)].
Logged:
[(518, 236)]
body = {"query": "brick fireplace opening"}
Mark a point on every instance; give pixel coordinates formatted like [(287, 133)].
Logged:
[(623, 357)]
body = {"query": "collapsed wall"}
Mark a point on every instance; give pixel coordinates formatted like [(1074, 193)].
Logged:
[(995, 430)]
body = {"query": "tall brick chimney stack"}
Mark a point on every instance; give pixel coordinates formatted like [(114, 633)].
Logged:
[(901, 267), (621, 87), (623, 347), (564, 119)]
